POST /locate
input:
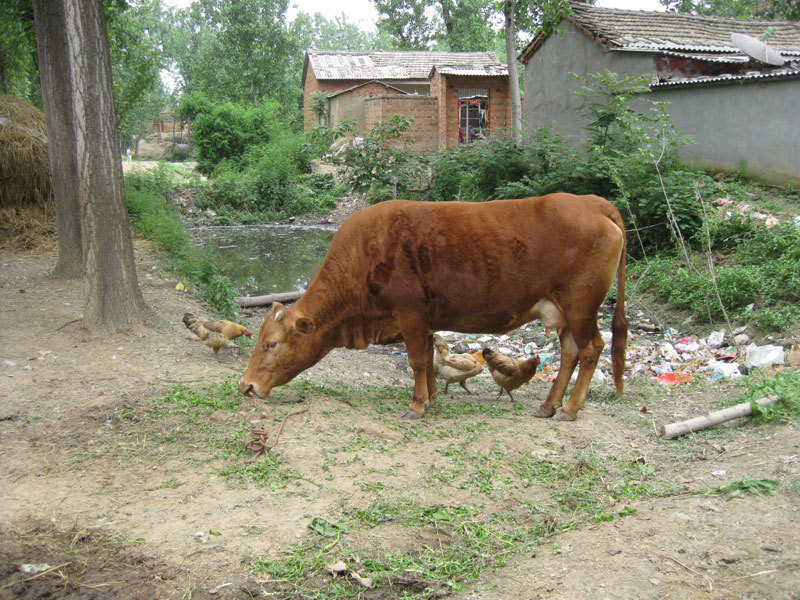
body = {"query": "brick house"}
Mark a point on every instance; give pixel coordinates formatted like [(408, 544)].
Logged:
[(454, 97)]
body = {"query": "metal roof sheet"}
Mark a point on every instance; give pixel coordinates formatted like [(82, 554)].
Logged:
[(379, 64), (486, 71), (784, 73)]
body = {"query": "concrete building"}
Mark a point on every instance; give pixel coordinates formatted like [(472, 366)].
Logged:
[(454, 97), (741, 111)]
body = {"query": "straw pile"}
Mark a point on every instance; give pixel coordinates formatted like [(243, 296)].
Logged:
[(26, 204)]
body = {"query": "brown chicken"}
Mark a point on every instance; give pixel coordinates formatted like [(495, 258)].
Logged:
[(455, 368), (216, 334), (509, 373)]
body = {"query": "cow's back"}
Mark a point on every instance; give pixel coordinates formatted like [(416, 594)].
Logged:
[(473, 266)]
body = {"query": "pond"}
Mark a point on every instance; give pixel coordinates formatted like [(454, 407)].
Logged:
[(266, 259)]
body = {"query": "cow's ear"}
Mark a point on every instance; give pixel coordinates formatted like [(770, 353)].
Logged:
[(304, 325), (277, 309)]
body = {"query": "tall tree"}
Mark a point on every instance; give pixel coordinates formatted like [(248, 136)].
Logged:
[(18, 74), (784, 10), (513, 78), (75, 71), (247, 56), (451, 25)]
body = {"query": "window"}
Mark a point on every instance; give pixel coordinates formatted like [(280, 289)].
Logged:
[(473, 115)]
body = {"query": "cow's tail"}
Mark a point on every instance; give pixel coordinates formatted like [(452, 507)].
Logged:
[(619, 323)]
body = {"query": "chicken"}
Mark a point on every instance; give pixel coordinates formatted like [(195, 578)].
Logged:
[(509, 373), (216, 334), (455, 368)]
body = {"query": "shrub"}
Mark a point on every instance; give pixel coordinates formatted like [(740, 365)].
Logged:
[(225, 132), (380, 161)]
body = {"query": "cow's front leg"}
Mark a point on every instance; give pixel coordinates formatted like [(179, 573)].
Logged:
[(420, 358)]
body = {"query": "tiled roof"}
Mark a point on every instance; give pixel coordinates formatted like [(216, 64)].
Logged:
[(378, 64), (619, 29)]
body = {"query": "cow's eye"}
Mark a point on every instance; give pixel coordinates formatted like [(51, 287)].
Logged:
[(269, 345)]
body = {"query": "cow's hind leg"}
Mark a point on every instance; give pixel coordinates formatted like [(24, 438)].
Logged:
[(588, 356), (420, 358), (569, 358)]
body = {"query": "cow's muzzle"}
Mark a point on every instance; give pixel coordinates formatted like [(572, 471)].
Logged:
[(248, 389)]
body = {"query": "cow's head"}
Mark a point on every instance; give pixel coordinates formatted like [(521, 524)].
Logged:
[(285, 347)]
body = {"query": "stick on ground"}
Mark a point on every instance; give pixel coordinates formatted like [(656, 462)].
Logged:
[(674, 430)]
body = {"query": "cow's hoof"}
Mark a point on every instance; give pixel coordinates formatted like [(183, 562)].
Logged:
[(412, 414), (540, 414), (562, 416)]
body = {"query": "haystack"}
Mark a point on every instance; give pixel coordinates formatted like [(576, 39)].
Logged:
[(26, 204)]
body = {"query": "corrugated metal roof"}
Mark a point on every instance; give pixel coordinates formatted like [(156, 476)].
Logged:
[(784, 73), (620, 29), (487, 71), (378, 64)]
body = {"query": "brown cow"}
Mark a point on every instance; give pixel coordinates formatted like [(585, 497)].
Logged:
[(403, 270)]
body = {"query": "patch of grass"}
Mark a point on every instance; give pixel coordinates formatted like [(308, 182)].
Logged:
[(199, 401), (746, 485), (267, 471)]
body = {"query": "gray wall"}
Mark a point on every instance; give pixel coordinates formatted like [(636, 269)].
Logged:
[(755, 123), (549, 87)]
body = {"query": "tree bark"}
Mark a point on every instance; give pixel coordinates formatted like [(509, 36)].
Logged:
[(513, 78), (76, 83), (51, 42)]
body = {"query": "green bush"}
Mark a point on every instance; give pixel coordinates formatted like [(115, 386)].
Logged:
[(224, 133), (270, 180)]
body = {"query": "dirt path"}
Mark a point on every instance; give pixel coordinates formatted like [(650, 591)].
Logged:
[(123, 475)]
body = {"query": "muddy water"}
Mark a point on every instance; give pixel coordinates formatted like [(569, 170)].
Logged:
[(267, 258)]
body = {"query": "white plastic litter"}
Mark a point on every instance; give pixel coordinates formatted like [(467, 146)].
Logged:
[(764, 356)]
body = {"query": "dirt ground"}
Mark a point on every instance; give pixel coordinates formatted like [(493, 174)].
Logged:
[(108, 491)]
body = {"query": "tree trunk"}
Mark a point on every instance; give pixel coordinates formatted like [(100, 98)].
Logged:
[(76, 82), (513, 79), (51, 42)]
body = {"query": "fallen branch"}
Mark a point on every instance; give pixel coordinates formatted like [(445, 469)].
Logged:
[(674, 430), (250, 301)]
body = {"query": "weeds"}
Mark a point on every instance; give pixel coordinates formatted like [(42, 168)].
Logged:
[(160, 222)]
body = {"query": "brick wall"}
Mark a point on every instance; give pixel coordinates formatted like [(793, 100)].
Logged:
[(424, 133), (351, 104)]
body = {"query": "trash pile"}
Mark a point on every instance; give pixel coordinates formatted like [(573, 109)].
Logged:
[(668, 356)]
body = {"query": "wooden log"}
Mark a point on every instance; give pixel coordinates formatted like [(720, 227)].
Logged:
[(673, 430), (250, 301)]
